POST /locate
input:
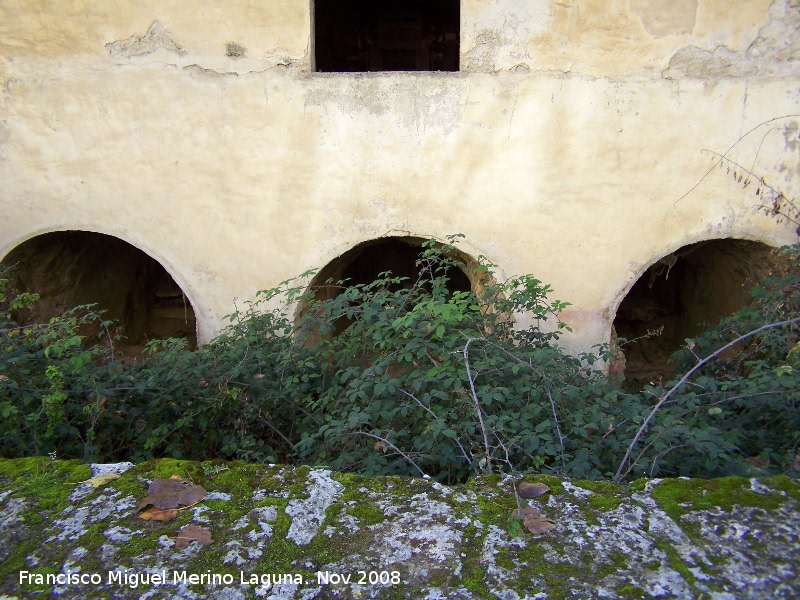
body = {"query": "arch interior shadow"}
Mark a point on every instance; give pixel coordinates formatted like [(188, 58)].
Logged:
[(679, 295), (363, 263), (71, 268)]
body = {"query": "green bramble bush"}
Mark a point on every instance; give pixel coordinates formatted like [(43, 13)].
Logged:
[(48, 397), (402, 376)]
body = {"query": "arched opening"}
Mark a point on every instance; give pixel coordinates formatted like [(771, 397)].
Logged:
[(679, 294), (71, 268), (399, 255)]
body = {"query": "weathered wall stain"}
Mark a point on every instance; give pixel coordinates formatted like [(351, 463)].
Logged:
[(661, 19)]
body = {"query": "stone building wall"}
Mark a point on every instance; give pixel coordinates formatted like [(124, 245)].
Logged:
[(579, 140)]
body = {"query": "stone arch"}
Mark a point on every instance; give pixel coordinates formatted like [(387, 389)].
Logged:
[(676, 295), (73, 267), (398, 254)]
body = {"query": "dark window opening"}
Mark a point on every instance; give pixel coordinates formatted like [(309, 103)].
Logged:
[(71, 268), (386, 35)]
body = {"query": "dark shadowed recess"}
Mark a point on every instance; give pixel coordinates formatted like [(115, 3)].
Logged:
[(71, 268), (386, 35), (679, 294), (399, 255)]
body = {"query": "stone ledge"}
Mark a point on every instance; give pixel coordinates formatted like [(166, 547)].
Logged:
[(300, 532)]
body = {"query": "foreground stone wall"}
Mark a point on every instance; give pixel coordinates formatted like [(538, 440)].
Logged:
[(578, 142), (280, 532)]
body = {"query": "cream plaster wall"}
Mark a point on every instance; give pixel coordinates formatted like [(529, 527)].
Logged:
[(575, 144)]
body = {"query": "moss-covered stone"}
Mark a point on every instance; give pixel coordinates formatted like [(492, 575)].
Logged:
[(413, 537), (679, 496), (605, 495)]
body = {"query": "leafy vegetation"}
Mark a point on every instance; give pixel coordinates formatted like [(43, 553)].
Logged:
[(402, 376)]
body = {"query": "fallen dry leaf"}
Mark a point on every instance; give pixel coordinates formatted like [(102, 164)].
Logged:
[(757, 461), (532, 490), (157, 514), (102, 479), (525, 513), (190, 533), (172, 493), (98, 402), (540, 525)]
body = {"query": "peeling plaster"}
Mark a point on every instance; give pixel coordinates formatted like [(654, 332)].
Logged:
[(434, 104), (155, 38), (775, 51)]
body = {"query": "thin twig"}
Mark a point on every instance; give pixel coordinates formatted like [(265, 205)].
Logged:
[(414, 398), (280, 434), (477, 402), (731, 399), (724, 154), (458, 443), (393, 447), (661, 455), (619, 474), (613, 428), (558, 427)]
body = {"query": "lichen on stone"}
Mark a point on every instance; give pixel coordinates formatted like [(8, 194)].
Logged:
[(725, 538)]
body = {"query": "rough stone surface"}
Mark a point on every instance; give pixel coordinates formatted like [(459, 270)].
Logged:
[(300, 533)]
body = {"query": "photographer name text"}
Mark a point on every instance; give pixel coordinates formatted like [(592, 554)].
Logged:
[(134, 579)]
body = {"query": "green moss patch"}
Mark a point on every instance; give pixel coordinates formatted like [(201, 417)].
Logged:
[(45, 485), (554, 483), (46, 482), (781, 483), (633, 592), (680, 496), (605, 495)]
